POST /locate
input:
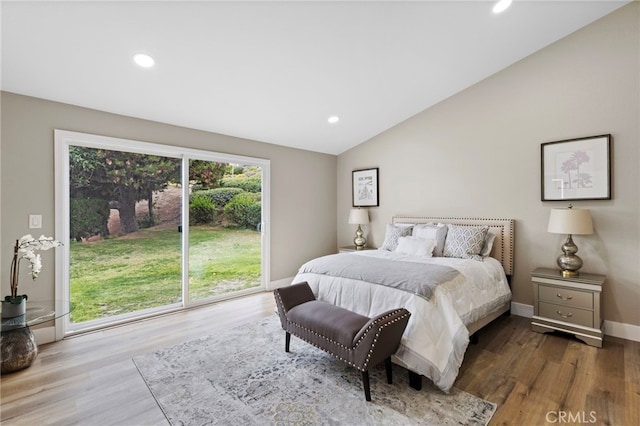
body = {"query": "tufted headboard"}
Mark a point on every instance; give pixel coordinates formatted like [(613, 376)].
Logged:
[(503, 228)]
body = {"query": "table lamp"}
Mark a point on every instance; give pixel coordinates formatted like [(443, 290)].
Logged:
[(570, 221), (359, 217)]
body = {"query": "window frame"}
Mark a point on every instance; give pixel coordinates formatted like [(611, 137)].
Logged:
[(64, 138)]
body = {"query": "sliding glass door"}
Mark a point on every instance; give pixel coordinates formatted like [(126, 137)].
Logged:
[(152, 228), (124, 246), (225, 216)]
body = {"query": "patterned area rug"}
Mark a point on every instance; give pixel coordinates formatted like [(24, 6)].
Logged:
[(244, 376)]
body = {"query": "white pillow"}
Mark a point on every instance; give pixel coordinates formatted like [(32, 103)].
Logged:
[(416, 246), (391, 235), (430, 231)]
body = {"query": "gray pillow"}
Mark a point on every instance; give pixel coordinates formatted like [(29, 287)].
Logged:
[(488, 244), (465, 242), (392, 234)]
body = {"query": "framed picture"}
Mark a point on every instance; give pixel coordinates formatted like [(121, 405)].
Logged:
[(576, 169), (365, 188)]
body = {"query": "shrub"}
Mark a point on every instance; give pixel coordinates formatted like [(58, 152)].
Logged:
[(249, 184), (147, 222), (201, 209), (195, 187), (242, 209), (221, 196), (88, 217), (197, 191), (254, 215)]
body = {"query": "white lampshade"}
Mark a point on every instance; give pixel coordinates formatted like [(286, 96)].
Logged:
[(358, 217), (570, 221)]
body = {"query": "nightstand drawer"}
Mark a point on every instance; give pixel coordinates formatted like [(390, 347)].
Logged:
[(566, 314), (566, 296)]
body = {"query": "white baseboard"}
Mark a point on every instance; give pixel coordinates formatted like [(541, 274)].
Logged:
[(279, 283), (522, 310), (622, 330), (611, 328), (44, 335)]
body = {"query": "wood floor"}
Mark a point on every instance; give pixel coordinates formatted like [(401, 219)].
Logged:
[(534, 378)]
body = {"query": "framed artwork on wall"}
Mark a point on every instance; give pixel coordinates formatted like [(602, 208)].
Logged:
[(576, 169), (365, 188)]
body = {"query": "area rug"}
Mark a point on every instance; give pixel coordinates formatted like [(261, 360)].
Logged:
[(243, 376)]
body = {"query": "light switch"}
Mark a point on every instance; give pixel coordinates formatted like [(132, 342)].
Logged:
[(35, 221)]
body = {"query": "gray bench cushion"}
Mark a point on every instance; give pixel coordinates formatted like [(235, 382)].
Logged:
[(342, 328)]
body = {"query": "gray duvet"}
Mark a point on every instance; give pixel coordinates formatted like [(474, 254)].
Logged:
[(417, 278)]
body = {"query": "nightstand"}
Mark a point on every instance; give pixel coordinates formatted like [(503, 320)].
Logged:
[(349, 249), (569, 304)]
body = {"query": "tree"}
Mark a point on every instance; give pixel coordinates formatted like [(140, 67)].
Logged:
[(87, 174), (206, 173), (122, 178)]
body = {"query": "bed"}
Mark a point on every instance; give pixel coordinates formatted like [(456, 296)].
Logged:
[(452, 287)]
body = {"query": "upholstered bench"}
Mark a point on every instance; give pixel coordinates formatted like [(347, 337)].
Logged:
[(360, 341)]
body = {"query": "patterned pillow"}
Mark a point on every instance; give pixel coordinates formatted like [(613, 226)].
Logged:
[(392, 233), (437, 232), (465, 242)]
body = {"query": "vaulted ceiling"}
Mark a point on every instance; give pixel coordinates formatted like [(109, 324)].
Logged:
[(274, 71)]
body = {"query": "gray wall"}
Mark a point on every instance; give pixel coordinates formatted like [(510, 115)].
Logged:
[(303, 183), (477, 154)]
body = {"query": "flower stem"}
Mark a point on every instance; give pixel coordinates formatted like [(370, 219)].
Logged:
[(14, 271)]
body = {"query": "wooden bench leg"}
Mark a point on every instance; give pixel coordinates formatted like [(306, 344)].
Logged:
[(287, 341), (387, 365), (415, 380), (365, 384)]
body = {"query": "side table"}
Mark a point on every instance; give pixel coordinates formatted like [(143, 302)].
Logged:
[(18, 347), (568, 304), (349, 249)]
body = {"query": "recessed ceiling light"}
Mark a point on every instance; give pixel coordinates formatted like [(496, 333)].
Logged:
[(333, 119), (143, 60), (501, 6)]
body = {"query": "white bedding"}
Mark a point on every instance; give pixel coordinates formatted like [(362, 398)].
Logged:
[(436, 337)]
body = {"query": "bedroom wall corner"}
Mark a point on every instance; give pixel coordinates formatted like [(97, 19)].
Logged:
[(477, 154)]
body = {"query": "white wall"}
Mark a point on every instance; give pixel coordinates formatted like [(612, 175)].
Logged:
[(477, 154), (303, 198)]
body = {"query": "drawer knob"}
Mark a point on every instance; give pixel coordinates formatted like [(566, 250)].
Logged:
[(564, 298), (569, 315)]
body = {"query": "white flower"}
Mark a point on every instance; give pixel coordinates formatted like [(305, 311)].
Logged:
[(24, 240), (35, 264), (27, 245), (25, 248)]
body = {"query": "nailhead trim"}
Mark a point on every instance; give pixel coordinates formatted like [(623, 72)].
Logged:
[(507, 238), (351, 349)]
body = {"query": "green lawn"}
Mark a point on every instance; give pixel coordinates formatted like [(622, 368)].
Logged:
[(139, 271)]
